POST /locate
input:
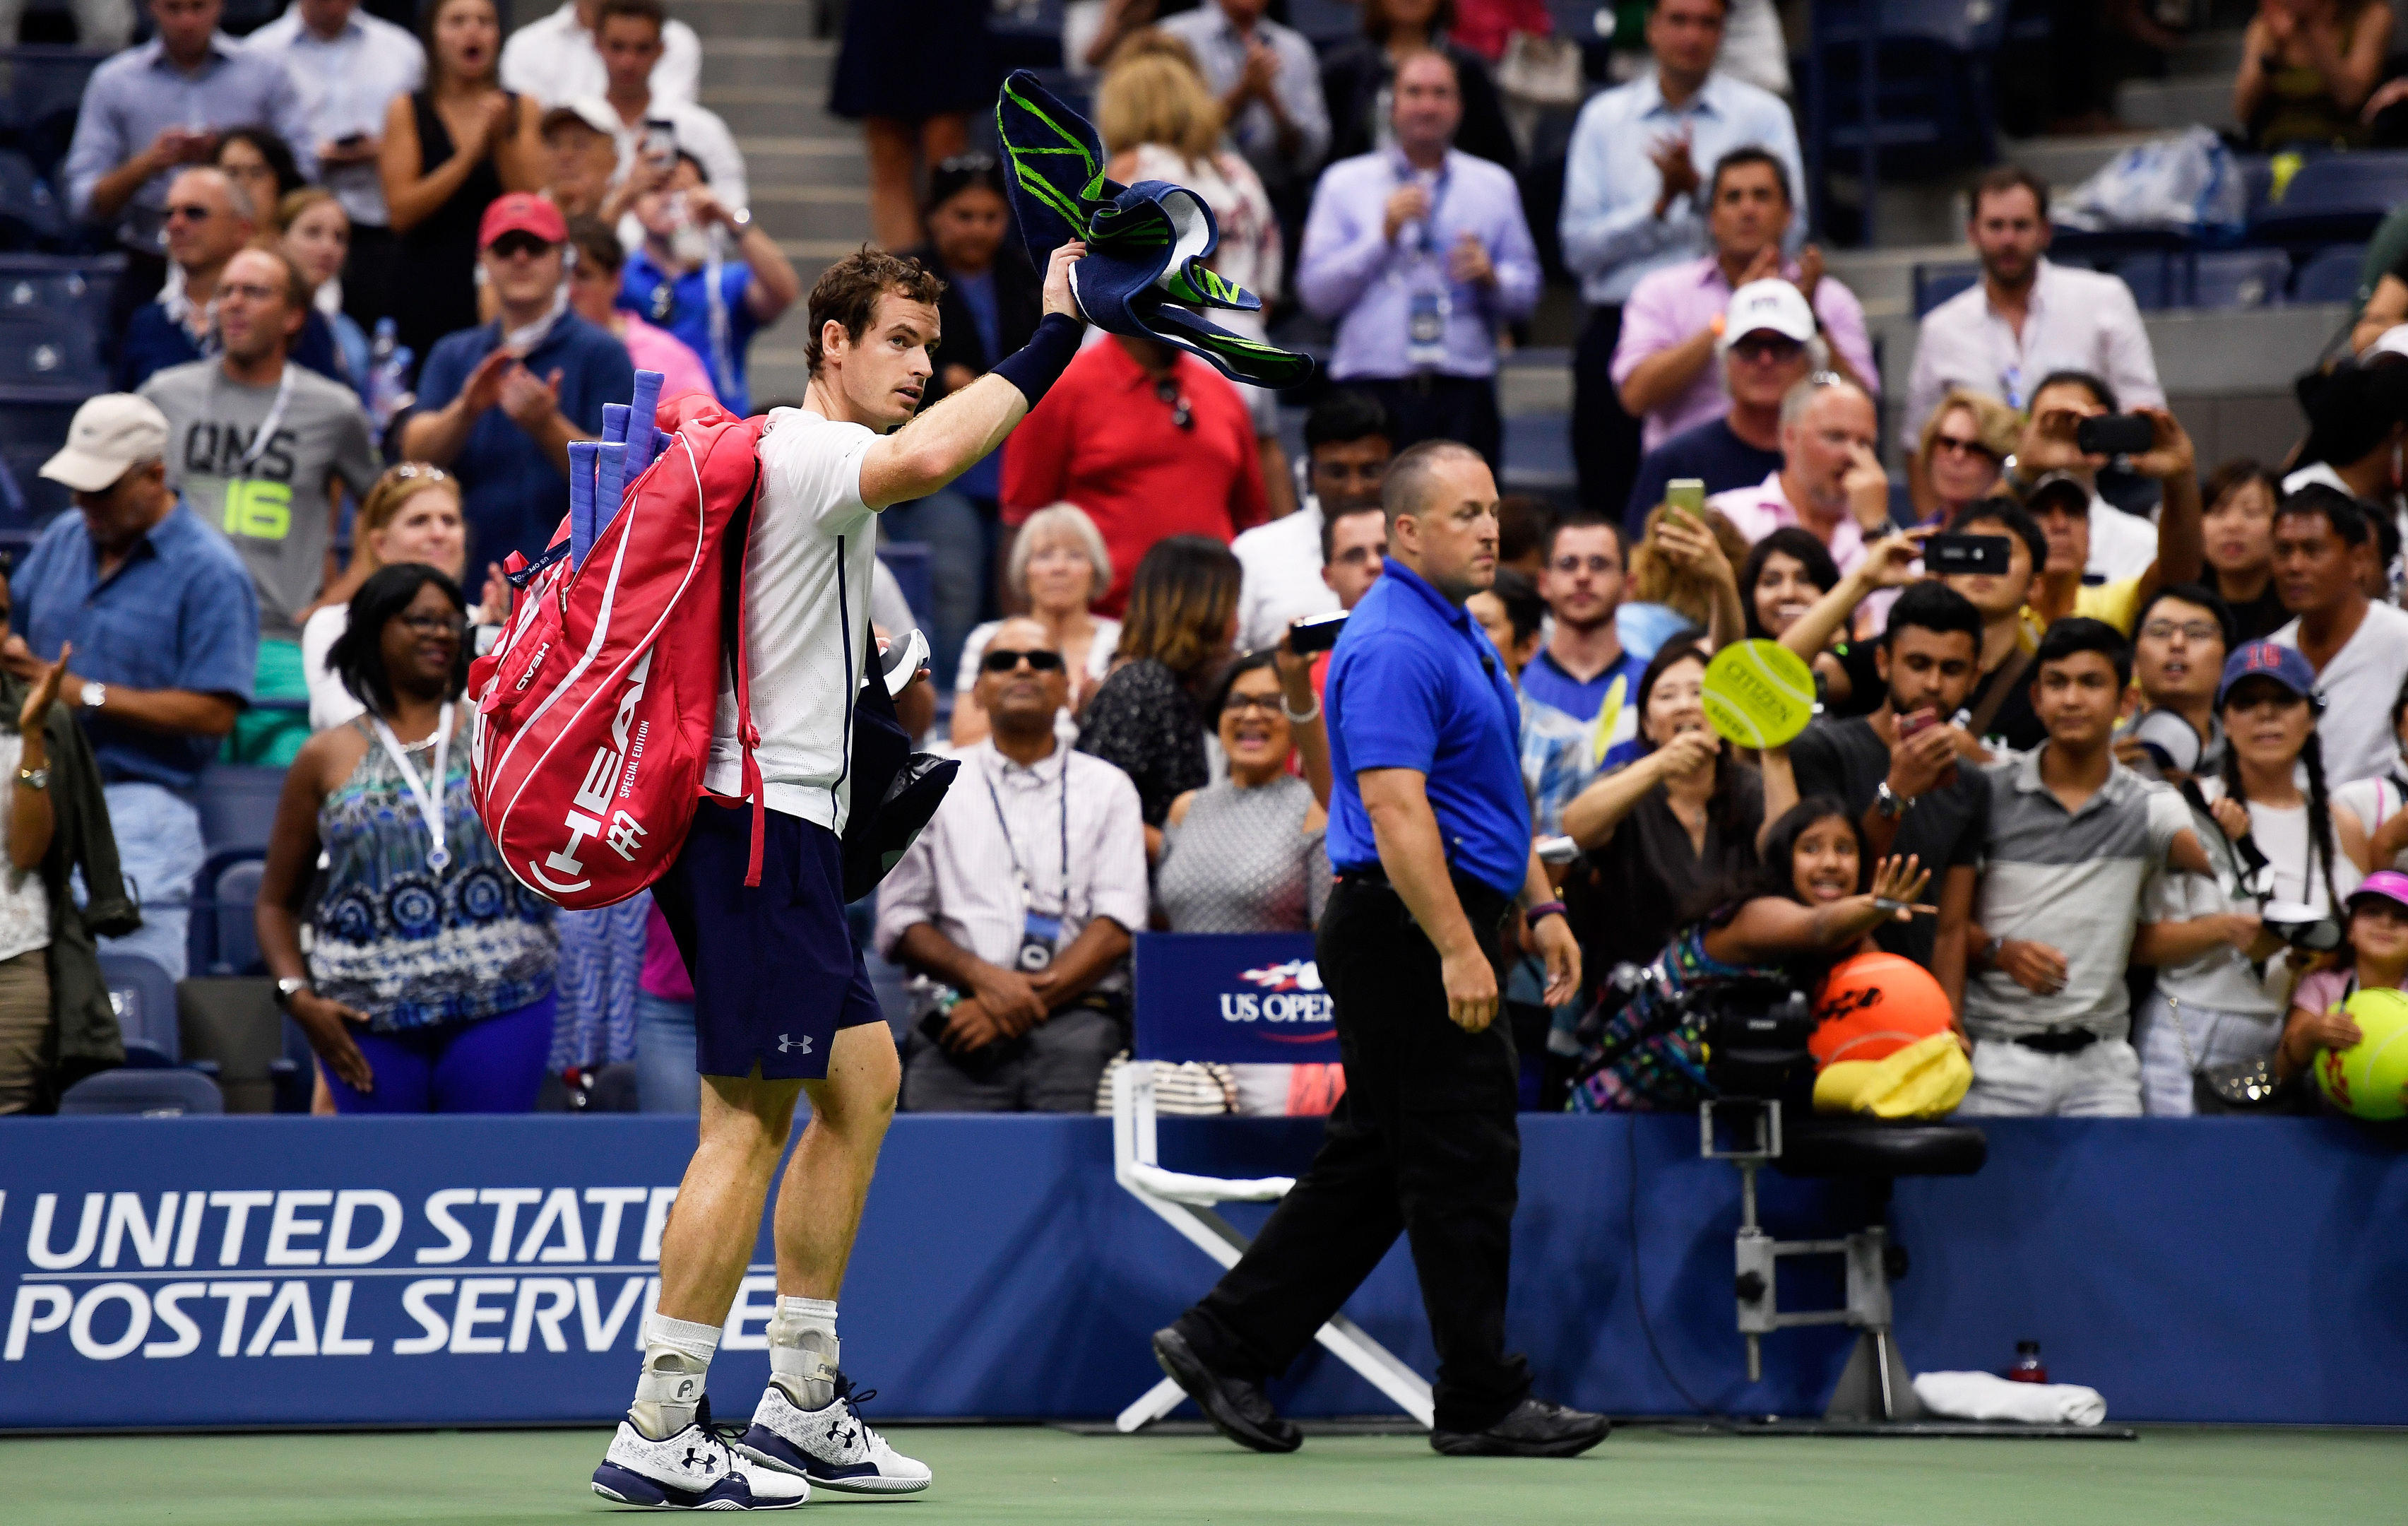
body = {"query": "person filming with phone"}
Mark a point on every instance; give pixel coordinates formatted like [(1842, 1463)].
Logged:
[(1015, 907), (1897, 771)]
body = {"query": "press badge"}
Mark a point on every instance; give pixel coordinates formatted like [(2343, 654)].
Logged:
[(1426, 327), (1039, 936)]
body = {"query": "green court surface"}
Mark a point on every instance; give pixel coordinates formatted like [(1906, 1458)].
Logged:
[(2193, 1478)]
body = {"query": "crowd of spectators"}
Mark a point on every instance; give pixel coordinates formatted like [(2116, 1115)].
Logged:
[(2166, 697)]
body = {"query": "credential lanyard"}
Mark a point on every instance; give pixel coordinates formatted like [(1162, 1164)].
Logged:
[(267, 427), (430, 806), (1028, 886)]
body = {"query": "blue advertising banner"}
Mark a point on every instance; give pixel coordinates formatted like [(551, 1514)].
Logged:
[(461, 1270), (1234, 997)]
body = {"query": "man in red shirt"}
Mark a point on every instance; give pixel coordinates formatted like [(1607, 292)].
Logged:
[(1150, 442)]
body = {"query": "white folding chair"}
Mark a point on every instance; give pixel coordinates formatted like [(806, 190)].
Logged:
[(1179, 1014)]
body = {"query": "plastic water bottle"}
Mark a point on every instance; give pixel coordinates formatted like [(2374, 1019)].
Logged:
[(2028, 1367), (388, 372)]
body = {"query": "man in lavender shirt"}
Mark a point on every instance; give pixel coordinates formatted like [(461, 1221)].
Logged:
[(1830, 484), (1664, 362), (1417, 252)]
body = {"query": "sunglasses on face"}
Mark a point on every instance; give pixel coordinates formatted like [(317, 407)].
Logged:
[(1182, 415), (1004, 662), (1763, 347), (190, 212), (1951, 445)]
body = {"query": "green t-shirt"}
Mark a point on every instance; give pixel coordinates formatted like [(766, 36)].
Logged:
[(269, 500)]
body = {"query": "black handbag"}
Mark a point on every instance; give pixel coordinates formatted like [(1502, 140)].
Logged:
[(895, 791)]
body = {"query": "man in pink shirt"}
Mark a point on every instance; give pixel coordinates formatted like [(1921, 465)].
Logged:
[(1672, 329), (1830, 483)]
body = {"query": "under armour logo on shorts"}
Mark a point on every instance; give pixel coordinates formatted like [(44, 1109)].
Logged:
[(785, 1043)]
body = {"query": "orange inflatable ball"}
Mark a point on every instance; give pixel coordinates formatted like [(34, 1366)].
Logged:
[(1873, 1005)]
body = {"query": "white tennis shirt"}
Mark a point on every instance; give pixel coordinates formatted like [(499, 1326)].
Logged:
[(806, 577)]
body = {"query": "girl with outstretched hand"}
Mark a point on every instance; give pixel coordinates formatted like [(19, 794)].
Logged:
[(1784, 924)]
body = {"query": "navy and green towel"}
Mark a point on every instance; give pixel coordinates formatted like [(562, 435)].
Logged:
[(1144, 270)]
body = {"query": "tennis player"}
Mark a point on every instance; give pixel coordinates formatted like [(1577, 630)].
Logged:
[(782, 1004)]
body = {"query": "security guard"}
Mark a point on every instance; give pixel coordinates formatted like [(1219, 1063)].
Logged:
[(1429, 832)]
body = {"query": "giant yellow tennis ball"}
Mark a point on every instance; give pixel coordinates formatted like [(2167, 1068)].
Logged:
[(1758, 694), (2364, 1080)]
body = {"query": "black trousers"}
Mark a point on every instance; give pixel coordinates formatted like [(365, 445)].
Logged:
[(1605, 439), (1424, 1142), (1431, 407)]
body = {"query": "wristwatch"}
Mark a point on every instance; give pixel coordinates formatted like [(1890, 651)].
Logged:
[(1990, 952), (740, 219), (1890, 804), (287, 987), (34, 778), (95, 694)]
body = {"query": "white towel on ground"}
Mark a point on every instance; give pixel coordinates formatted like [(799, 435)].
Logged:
[(1986, 1396)]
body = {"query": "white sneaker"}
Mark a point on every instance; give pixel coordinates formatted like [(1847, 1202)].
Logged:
[(832, 1447), (694, 1469)]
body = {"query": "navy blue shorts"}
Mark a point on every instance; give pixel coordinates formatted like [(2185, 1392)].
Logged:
[(775, 970)]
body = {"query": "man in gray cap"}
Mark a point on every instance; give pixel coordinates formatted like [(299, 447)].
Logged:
[(165, 629)]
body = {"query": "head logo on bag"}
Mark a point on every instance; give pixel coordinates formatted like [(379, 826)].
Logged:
[(594, 711)]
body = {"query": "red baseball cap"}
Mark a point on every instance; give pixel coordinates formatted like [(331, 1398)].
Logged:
[(522, 211)]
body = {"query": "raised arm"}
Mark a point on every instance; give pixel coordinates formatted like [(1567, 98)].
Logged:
[(948, 439), (1770, 928), (1888, 563)]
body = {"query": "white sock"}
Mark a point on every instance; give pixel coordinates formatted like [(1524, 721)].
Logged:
[(802, 1350), (676, 1364)]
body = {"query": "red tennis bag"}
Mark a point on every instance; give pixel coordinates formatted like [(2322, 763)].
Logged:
[(594, 709)]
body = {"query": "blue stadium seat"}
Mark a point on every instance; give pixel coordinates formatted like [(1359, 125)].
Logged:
[(143, 1093), (238, 804), (2239, 278), (220, 938), (1936, 283), (2334, 198), (48, 349), (33, 425), (1324, 23), (2229, 278), (143, 994), (1927, 104), (41, 91), (2329, 275), (1539, 455), (30, 216)]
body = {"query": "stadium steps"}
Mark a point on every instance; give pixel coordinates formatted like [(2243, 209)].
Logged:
[(766, 73)]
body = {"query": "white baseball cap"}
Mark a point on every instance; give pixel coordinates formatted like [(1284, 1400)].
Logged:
[(110, 433), (1770, 304)]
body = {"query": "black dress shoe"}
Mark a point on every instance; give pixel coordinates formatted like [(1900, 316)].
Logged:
[(1236, 1408), (1532, 1428)]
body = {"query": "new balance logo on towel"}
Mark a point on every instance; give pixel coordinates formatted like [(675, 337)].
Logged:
[(803, 1043)]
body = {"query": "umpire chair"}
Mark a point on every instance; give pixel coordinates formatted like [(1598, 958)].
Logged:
[(1175, 1017)]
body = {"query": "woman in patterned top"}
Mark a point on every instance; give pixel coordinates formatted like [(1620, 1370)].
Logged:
[(1147, 720), (429, 985)]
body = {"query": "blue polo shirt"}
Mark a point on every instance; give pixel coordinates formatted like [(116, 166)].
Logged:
[(178, 613), (513, 497), (682, 305), (1415, 685)]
